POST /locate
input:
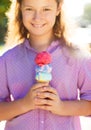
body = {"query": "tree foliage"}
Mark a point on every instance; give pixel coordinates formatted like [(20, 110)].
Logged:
[(87, 12), (4, 5), (85, 19)]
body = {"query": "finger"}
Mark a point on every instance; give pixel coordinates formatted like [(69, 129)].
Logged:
[(40, 102), (39, 85), (48, 95), (48, 89)]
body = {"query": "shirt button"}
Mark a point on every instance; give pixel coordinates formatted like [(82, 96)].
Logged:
[(42, 122)]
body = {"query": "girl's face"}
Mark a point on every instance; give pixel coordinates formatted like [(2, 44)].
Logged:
[(39, 16)]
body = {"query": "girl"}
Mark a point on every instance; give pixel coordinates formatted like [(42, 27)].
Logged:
[(39, 24)]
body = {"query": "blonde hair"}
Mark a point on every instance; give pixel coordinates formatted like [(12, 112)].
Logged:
[(16, 31)]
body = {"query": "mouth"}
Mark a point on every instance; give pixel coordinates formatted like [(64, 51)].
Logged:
[(38, 25)]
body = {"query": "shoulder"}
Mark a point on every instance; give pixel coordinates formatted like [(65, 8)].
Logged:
[(76, 56), (86, 65), (14, 52)]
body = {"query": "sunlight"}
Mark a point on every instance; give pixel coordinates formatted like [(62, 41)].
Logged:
[(75, 7)]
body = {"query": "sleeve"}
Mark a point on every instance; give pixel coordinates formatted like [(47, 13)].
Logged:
[(84, 80), (4, 91)]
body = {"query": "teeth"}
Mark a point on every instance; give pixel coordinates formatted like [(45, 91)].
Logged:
[(37, 26)]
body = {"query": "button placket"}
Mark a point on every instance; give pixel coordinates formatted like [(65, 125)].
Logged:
[(42, 120)]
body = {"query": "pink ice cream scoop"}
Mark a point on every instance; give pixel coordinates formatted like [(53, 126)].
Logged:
[(43, 67)]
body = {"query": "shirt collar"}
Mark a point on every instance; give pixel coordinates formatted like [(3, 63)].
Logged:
[(54, 48), (54, 44)]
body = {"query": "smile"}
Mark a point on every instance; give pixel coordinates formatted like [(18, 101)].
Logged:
[(37, 25)]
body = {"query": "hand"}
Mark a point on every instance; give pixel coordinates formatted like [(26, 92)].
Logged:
[(29, 101), (48, 99)]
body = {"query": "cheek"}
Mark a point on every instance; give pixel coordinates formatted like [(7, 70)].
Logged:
[(51, 19), (26, 16), (25, 20)]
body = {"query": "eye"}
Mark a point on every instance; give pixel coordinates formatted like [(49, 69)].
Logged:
[(46, 9), (29, 9)]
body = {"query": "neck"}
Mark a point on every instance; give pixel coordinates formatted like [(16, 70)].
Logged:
[(41, 43)]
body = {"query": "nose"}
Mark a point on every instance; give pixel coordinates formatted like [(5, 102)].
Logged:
[(37, 15)]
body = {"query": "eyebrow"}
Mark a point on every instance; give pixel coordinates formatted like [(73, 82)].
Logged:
[(26, 5), (29, 6)]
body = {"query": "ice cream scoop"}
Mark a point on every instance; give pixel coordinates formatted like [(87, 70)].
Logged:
[(43, 67)]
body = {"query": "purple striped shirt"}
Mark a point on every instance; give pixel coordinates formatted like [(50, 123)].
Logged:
[(17, 75)]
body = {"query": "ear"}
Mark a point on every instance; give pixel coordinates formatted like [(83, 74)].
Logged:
[(59, 8)]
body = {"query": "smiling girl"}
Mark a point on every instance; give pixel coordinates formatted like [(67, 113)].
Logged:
[(39, 24)]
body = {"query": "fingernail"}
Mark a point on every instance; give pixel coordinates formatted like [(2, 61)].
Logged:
[(45, 88), (38, 93), (36, 98)]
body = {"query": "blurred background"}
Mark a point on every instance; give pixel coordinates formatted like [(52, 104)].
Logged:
[(79, 11), (4, 6)]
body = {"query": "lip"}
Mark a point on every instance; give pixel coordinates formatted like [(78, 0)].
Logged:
[(38, 25)]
